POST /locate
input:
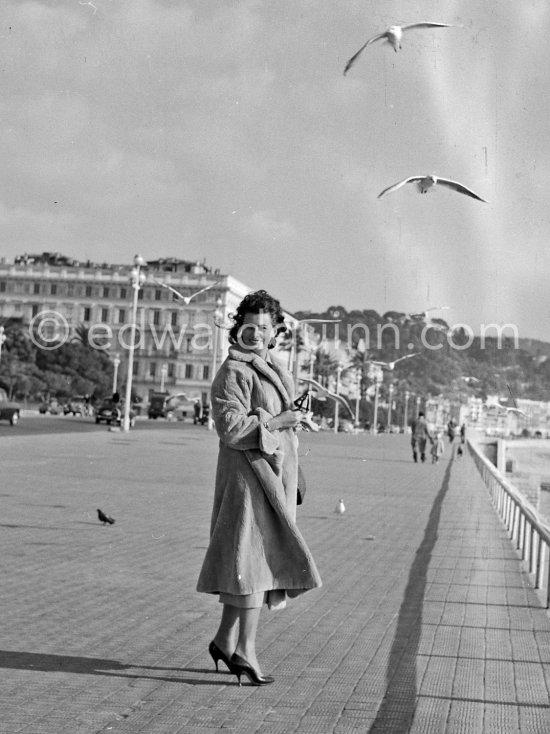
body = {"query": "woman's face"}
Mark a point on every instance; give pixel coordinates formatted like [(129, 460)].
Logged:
[(256, 332)]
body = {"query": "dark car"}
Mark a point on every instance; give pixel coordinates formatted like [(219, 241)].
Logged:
[(8, 411), (160, 406), (76, 405), (112, 413), (50, 406)]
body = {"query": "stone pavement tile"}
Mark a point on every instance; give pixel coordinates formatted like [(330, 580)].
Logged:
[(465, 717), (534, 720), (499, 719), (499, 683)]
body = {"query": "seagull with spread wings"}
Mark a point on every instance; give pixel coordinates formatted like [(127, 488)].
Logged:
[(424, 314), (425, 183), (393, 36), (180, 296), (390, 366), (333, 395)]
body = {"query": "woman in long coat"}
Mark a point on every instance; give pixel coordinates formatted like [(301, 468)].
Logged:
[(256, 553)]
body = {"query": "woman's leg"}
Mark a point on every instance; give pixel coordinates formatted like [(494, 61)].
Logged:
[(226, 636), (246, 643)]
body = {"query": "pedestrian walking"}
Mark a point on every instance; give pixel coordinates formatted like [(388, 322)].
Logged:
[(420, 435), (438, 447), (451, 426), (463, 433), (256, 553)]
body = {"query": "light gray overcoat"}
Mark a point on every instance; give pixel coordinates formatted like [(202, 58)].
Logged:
[(255, 544)]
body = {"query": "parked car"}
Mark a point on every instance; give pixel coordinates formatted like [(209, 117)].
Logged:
[(112, 413), (9, 411), (76, 405), (50, 406), (160, 406)]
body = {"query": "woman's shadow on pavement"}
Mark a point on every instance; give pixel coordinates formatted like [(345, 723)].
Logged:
[(49, 663)]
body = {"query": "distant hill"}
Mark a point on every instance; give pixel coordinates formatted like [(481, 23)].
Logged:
[(454, 364)]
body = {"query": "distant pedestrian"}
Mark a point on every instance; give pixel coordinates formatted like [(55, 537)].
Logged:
[(438, 447), (451, 426), (420, 435), (463, 433)]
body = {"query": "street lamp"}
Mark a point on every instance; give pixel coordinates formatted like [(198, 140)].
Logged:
[(377, 381), (406, 412), (336, 406), (357, 395), (137, 278), (116, 363), (389, 405), (163, 374), (217, 317)]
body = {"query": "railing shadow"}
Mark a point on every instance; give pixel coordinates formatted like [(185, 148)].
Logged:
[(397, 710)]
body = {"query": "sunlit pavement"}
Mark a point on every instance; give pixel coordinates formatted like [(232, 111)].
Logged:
[(425, 622)]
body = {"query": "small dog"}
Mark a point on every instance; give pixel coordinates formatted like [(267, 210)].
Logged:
[(459, 452)]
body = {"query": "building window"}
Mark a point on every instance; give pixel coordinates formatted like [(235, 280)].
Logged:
[(88, 291), (106, 291), (70, 289), (174, 318), (121, 315), (135, 369), (36, 288), (140, 294), (189, 343), (123, 293), (156, 317), (2, 286), (188, 371), (53, 289), (158, 295), (171, 369), (105, 315), (206, 372), (153, 369), (87, 314), (35, 308)]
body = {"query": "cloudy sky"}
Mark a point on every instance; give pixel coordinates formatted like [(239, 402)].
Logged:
[(225, 130)]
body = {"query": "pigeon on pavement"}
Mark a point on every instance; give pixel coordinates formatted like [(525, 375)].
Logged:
[(105, 518)]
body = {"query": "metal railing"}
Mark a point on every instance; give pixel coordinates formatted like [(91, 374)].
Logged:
[(527, 530)]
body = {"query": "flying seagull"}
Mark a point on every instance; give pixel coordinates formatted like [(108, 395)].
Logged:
[(393, 35), (427, 182), (181, 297), (391, 365), (469, 379), (424, 314), (105, 518), (340, 398)]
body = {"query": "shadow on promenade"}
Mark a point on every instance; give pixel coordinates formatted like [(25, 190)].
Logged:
[(50, 663), (398, 707)]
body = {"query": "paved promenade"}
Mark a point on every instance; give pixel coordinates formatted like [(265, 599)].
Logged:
[(424, 624)]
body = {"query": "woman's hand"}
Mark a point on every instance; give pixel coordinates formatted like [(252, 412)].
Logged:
[(286, 419)]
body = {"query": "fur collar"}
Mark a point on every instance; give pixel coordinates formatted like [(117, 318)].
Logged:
[(272, 370)]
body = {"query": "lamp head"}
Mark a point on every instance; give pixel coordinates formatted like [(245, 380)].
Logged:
[(139, 261)]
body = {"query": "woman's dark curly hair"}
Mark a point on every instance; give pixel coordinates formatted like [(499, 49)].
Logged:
[(257, 302)]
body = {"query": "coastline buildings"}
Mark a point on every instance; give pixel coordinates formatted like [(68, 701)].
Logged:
[(179, 345)]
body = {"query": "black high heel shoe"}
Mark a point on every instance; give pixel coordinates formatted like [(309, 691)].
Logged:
[(217, 654), (239, 666)]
